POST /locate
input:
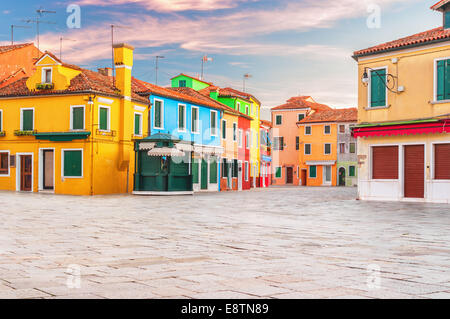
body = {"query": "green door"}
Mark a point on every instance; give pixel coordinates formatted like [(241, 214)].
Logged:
[(204, 177)]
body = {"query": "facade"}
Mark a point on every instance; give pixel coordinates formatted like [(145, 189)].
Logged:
[(323, 142), (17, 61), (347, 159), (244, 154), (68, 130), (403, 117), (265, 174), (285, 143), (229, 162)]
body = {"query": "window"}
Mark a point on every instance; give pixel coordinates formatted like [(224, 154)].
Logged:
[(353, 148), (224, 168), (181, 117), (447, 20), (72, 163), (235, 132), (385, 162), (327, 150), (307, 130), (443, 80), (377, 88), (138, 124), (442, 161), (278, 143), (327, 129), (46, 75), (182, 83), (246, 171), (213, 170), (352, 171), (342, 148), (104, 118), (301, 117), (4, 163), (224, 129), (1, 120), (235, 168), (27, 120), (297, 143), (238, 106), (278, 172), (278, 119), (240, 138), (77, 117), (246, 110), (313, 171), (307, 149), (341, 128), (194, 120), (247, 140), (158, 115), (213, 117)]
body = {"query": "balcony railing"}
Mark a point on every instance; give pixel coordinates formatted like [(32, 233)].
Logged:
[(105, 133), (45, 86)]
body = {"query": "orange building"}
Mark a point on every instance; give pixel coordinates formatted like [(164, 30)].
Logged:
[(17, 61), (286, 141), (318, 149)]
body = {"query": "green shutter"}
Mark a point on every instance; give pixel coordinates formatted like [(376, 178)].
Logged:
[(181, 117), (312, 171), (278, 120), (213, 171), (27, 120), (224, 129), (440, 80), (378, 88), (213, 123), (352, 171), (235, 168), (78, 118), (157, 114), (352, 148), (73, 164), (195, 171), (103, 119), (447, 20), (278, 172), (194, 120), (137, 124), (447, 80)]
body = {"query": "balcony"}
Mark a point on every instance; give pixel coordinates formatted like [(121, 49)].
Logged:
[(45, 86)]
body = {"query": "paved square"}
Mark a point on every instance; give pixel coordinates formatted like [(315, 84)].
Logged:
[(277, 243)]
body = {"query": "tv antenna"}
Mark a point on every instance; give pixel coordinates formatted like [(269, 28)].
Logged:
[(246, 76), (12, 31), (38, 21), (61, 39)]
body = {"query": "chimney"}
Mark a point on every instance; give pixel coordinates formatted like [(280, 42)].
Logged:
[(123, 61), (214, 94), (105, 71)]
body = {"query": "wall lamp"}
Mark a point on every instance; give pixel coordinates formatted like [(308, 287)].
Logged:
[(389, 83)]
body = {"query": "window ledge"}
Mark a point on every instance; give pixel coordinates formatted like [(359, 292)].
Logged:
[(377, 108), (439, 102)]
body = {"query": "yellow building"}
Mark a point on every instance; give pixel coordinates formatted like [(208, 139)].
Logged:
[(403, 117), (69, 130)]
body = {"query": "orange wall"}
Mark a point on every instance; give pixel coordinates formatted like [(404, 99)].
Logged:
[(318, 139), (12, 61)]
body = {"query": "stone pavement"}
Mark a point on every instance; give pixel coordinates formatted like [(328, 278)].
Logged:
[(277, 243)]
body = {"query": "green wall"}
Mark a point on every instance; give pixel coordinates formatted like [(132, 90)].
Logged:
[(190, 83)]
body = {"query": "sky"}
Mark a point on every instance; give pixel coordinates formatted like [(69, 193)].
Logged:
[(290, 47)]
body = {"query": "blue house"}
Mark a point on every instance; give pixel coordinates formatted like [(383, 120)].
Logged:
[(193, 123)]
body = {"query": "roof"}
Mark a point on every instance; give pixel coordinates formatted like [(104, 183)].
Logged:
[(439, 5), (8, 48), (423, 38), (265, 123), (235, 93), (192, 77), (301, 102), (332, 115)]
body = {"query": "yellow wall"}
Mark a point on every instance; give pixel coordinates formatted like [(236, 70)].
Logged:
[(230, 146), (415, 70), (255, 156)]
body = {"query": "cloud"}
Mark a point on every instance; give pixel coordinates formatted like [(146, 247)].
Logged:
[(169, 5)]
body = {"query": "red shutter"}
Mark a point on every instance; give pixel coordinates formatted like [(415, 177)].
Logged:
[(414, 171), (385, 162), (442, 161)]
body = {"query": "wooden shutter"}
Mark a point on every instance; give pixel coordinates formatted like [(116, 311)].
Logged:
[(78, 118), (235, 168), (157, 114), (194, 119), (352, 171), (414, 157), (278, 172), (27, 120), (278, 119), (385, 162), (103, 119), (4, 163), (72, 164), (213, 171), (224, 129), (313, 171), (378, 88), (195, 171), (137, 124), (297, 143), (181, 117), (440, 94), (213, 123), (447, 80), (442, 161), (281, 143)]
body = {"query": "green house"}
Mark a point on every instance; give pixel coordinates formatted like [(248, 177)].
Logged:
[(163, 166)]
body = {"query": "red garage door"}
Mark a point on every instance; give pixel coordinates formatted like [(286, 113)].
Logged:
[(414, 171), (385, 162), (442, 161)]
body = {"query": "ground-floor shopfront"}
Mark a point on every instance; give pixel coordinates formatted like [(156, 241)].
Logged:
[(347, 174), (265, 175), (408, 167), (318, 173)]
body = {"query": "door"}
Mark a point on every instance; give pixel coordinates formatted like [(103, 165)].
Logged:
[(26, 173), (289, 175), (303, 177), (327, 175), (414, 171), (342, 176), (240, 175), (47, 172), (229, 175), (204, 175)]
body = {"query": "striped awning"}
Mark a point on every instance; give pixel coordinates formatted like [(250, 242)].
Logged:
[(316, 163), (424, 127), (165, 151)]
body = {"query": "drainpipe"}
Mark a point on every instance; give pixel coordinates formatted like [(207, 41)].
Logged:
[(91, 109)]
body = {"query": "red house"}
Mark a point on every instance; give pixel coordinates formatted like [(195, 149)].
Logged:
[(265, 176), (244, 182)]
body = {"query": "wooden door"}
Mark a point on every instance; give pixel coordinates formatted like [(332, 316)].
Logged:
[(289, 175), (414, 157), (442, 161), (48, 169), (26, 172), (303, 177), (240, 175), (204, 175)]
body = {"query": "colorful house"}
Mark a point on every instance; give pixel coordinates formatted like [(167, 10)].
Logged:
[(68, 130), (265, 175), (244, 153), (322, 140), (17, 61), (286, 143), (403, 117)]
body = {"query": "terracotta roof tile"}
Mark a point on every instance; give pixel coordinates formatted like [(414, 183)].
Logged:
[(332, 115), (300, 102), (236, 93), (438, 6), (8, 48), (265, 123), (422, 38)]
